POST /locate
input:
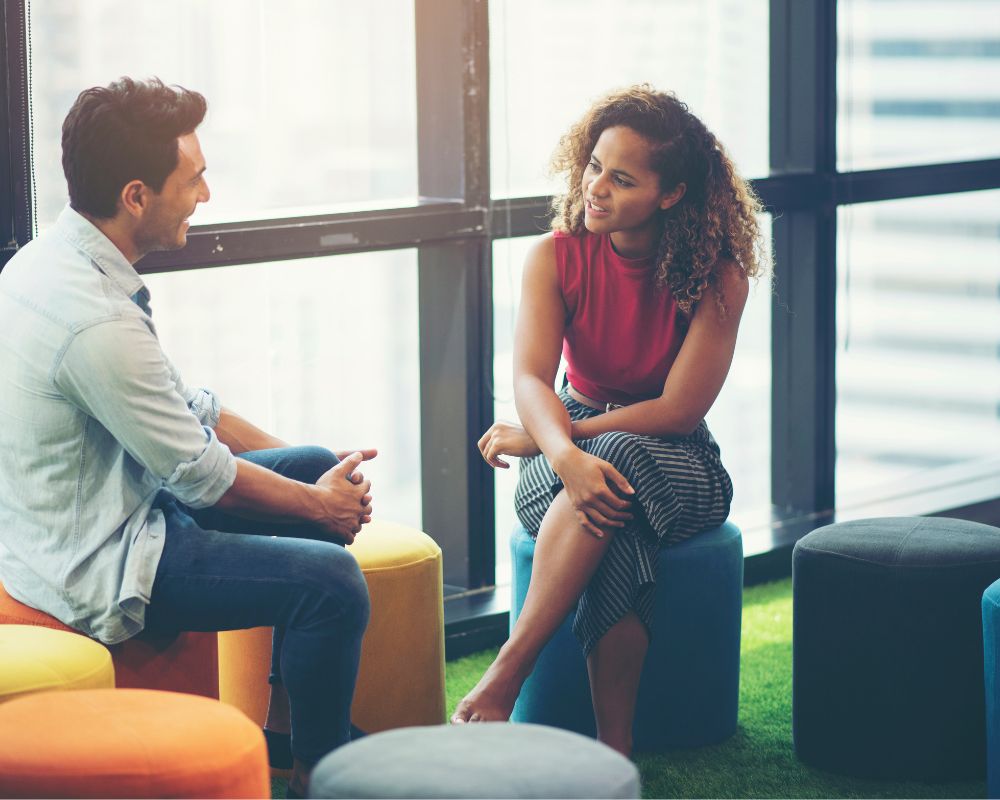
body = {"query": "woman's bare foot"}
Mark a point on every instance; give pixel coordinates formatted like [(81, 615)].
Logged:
[(493, 698), (623, 744)]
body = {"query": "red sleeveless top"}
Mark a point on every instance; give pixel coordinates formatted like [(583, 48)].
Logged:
[(622, 333)]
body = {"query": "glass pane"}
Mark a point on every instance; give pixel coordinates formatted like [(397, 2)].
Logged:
[(918, 82), (311, 103), (317, 351), (508, 266), (551, 58), (918, 350), (740, 420)]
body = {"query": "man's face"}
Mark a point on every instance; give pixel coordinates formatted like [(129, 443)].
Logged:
[(165, 223)]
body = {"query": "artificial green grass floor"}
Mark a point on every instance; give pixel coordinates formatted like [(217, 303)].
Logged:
[(758, 761)]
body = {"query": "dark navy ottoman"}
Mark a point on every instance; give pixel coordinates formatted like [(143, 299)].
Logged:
[(689, 691), (887, 665)]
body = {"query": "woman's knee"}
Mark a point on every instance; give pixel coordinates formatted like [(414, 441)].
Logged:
[(620, 449)]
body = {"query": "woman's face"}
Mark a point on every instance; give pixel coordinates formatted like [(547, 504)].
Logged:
[(620, 190)]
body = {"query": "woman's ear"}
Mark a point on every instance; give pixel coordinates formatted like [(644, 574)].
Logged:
[(673, 198)]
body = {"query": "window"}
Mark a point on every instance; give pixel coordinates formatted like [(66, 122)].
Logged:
[(740, 419), (311, 103), (918, 82), (317, 351), (918, 372), (548, 66), (508, 266)]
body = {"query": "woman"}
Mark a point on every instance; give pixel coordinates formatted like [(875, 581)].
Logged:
[(640, 286)]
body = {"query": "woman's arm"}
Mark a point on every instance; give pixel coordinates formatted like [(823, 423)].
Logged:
[(697, 375), (538, 337)]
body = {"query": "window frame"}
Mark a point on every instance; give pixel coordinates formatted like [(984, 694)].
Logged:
[(455, 221), (16, 214)]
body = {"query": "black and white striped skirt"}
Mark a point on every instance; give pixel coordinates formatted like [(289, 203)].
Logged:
[(681, 488)]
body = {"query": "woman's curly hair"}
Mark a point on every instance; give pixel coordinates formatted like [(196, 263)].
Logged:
[(716, 217)]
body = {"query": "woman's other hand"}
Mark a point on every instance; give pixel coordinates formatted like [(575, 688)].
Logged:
[(506, 439), (597, 492)]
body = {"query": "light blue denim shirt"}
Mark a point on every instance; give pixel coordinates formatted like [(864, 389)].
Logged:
[(94, 421)]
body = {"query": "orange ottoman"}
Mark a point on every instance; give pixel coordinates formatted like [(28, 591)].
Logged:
[(184, 663), (401, 678), (129, 743)]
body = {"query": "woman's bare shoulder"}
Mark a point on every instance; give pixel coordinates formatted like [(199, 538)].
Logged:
[(541, 258), (544, 245), (732, 282)]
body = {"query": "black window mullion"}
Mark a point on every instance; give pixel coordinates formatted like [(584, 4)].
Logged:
[(481, 531), (803, 343), (896, 183), (306, 237), (16, 222), (455, 299)]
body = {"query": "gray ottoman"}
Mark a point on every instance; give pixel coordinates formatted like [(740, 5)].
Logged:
[(489, 759)]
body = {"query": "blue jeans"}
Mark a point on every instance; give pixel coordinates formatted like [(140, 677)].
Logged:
[(221, 572)]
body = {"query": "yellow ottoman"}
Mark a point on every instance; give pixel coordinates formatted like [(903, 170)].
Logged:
[(401, 680), (37, 659)]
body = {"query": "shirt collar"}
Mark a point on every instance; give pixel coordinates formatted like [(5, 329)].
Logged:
[(87, 237)]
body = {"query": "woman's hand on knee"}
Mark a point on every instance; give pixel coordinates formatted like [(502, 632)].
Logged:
[(506, 439), (598, 492)]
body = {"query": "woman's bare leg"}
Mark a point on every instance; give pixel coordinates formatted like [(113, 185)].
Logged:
[(615, 666), (566, 557)]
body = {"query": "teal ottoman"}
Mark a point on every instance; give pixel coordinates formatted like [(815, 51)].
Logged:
[(991, 679), (689, 691)]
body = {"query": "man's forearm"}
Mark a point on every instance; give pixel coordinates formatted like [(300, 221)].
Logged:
[(241, 435), (337, 504), (259, 493)]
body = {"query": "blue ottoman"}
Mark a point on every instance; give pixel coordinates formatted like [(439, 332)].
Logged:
[(991, 663), (689, 691), (887, 648)]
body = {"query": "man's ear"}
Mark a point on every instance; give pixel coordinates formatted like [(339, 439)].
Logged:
[(673, 198), (134, 198)]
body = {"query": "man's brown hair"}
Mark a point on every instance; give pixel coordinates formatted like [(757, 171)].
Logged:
[(125, 131)]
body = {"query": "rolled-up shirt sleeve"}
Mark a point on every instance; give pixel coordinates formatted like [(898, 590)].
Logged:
[(206, 406), (116, 372), (201, 482), (204, 403)]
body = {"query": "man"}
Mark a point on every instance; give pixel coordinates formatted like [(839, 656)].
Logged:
[(121, 502)]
